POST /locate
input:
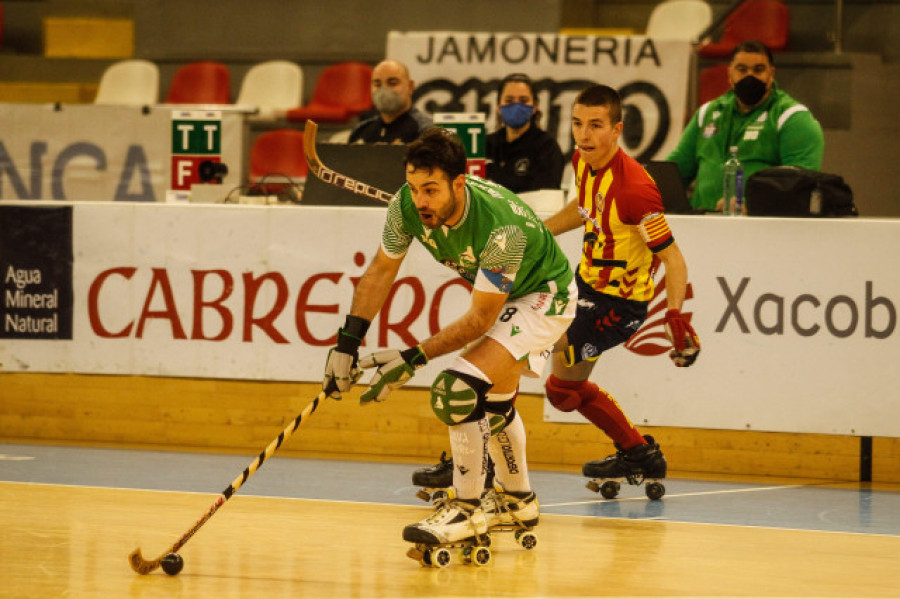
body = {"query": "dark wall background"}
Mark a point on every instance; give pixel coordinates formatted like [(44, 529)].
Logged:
[(316, 31)]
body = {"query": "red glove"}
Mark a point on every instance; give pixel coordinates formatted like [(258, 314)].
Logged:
[(685, 343)]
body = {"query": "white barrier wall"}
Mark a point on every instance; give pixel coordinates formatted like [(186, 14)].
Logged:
[(797, 318)]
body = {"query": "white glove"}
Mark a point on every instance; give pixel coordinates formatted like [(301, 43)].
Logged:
[(341, 369), (341, 372), (394, 369)]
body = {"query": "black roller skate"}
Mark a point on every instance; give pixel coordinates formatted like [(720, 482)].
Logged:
[(455, 524), (643, 463), (435, 479)]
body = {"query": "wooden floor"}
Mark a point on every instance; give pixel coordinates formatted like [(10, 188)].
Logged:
[(73, 541)]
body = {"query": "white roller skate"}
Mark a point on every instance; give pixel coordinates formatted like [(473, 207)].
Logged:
[(643, 464), (455, 524), (512, 512)]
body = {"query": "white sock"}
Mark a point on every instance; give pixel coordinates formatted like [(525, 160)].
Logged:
[(468, 442), (507, 449)]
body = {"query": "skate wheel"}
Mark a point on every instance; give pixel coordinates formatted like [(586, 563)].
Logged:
[(479, 556), (609, 489), (425, 560), (526, 539), (440, 558), (423, 495), (593, 486), (655, 491)]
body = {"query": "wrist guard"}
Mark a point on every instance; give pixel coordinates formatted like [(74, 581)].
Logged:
[(351, 335), (414, 356)]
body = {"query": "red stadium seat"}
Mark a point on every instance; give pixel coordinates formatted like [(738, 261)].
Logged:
[(278, 153), (204, 82), (342, 91), (713, 82), (765, 20)]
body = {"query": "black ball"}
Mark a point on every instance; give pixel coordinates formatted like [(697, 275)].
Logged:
[(172, 564)]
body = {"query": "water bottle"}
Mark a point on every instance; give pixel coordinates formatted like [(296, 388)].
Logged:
[(733, 184)]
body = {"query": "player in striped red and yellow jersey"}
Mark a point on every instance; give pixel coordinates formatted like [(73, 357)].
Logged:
[(625, 238), (624, 226)]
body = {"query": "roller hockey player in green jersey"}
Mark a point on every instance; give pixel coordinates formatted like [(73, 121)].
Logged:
[(523, 299)]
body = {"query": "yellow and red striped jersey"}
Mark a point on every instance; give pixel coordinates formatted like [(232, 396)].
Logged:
[(624, 226)]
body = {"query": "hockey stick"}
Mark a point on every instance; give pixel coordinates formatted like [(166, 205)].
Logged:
[(333, 177), (142, 566)]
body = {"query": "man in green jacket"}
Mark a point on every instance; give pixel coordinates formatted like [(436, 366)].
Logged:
[(769, 127)]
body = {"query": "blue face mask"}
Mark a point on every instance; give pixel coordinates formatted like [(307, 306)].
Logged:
[(516, 115)]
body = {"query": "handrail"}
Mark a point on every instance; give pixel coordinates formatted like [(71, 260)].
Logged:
[(838, 26)]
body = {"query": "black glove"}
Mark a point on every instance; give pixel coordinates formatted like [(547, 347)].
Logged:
[(341, 368)]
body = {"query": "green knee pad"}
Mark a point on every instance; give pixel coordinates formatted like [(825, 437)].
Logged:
[(499, 414), (497, 423), (457, 397)]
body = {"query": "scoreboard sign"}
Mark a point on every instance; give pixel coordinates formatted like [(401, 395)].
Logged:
[(196, 137), (471, 130)]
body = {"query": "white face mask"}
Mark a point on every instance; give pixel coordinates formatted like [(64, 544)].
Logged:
[(387, 101)]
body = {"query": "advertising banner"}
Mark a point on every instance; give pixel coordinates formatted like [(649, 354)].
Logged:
[(122, 153), (797, 318), (36, 265), (460, 72)]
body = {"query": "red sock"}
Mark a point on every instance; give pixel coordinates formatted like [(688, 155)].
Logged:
[(601, 409)]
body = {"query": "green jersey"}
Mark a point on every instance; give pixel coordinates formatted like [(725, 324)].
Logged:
[(780, 131), (499, 245)]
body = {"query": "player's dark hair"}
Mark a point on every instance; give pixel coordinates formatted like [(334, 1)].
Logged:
[(439, 148), (602, 95), (753, 47)]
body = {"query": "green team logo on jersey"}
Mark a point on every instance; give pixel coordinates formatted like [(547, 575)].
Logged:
[(467, 258), (557, 306), (515, 331), (426, 239)]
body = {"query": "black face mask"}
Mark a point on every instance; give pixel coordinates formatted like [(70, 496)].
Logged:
[(750, 90)]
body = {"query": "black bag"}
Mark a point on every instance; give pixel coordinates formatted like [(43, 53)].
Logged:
[(795, 191)]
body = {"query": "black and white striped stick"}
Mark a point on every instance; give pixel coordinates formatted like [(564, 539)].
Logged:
[(142, 566)]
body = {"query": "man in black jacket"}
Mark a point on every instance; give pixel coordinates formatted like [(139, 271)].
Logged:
[(396, 120)]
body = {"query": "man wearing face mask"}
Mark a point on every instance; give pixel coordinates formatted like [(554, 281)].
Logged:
[(520, 155), (396, 120), (769, 127)]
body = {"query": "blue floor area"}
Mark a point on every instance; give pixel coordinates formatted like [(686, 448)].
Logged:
[(799, 506)]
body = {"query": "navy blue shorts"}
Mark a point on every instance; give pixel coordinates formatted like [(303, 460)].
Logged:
[(601, 322)]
